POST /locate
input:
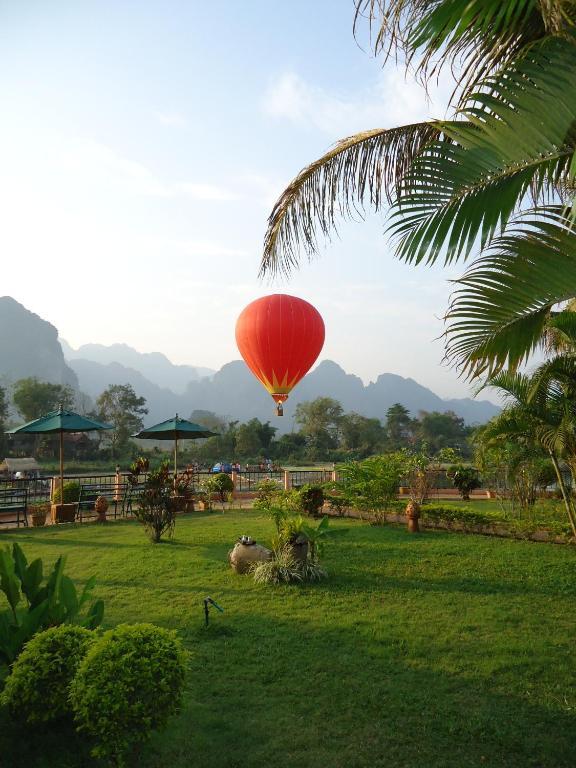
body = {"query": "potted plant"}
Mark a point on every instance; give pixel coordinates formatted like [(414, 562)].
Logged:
[(183, 497), (38, 513), (204, 495), (292, 533), (65, 504)]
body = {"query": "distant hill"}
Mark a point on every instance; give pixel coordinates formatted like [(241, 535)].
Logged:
[(29, 347), (234, 392), (155, 366)]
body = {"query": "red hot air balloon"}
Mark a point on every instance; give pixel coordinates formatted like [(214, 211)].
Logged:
[(279, 337)]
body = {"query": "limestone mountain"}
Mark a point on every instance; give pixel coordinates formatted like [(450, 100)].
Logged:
[(155, 366), (29, 347)]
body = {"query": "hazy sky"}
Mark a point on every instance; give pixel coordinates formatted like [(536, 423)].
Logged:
[(142, 145)]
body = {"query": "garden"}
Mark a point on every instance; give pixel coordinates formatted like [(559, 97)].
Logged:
[(437, 650)]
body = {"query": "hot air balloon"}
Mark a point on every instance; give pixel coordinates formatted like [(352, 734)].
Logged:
[(279, 337)]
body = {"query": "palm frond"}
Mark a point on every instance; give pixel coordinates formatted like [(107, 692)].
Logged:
[(473, 37), (359, 171), (516, 136), (499, 311)]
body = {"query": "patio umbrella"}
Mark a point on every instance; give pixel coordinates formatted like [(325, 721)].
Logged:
[(60, 421), (175, 429)]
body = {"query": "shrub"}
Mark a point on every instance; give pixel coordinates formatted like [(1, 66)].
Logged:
[(71, 493), (283, 567), (466, 479), (221, 484), (128, 685), (311, 499), (38, 686), (155, 509), (45, 604)]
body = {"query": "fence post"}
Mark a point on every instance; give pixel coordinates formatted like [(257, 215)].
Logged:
[(287, 480), (118, 485)]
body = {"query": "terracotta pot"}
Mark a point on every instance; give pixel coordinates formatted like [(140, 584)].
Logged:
[(101, 507), (64, 513), (38, 519), (300, 549), (412, 516)]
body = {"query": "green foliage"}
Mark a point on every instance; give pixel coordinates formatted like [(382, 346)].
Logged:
[(34, 398), (311, 499), (70, 495), (121, 406), (37, 688), (155, 509), (371, 485), (128, 685), (464, 478), (221, 484), (282, 568), (45, 604)]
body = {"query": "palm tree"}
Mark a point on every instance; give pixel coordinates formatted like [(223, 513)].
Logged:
[(496, 181), (542, 411)]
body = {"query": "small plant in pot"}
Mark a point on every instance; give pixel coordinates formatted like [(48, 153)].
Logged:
[(65, 502), (292, 533), (183, 497), (38, 514)]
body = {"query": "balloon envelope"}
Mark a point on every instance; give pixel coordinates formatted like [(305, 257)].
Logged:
[(279, 337)]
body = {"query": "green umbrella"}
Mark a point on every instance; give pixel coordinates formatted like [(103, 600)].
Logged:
[(174, 429), (60, 421)]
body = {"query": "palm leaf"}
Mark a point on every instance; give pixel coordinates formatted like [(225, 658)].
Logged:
[(473, 37), (360, 170), (498, 314), (517, 136)]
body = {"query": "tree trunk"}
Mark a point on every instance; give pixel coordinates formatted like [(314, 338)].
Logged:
[(565, 496)]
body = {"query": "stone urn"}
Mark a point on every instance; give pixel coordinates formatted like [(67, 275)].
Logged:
[(101, 507), (412, 516), (245, 552)]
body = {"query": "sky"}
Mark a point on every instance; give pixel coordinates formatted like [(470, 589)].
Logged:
[(142, 146)]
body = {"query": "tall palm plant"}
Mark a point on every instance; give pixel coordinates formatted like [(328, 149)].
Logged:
[(496, 181), (541, 411)]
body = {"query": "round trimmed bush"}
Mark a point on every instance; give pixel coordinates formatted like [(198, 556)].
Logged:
[(71, 493), (38, 686), (128, 685)]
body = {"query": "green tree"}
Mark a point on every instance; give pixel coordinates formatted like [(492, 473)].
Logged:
[(443, 430), (33, 397), (120, 406), (319, 422), (254, 438), (360, 434), (399, 427), (541, 412), (496, 181), (210, 420)]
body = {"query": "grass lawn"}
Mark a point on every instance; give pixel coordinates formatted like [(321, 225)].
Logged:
[(426, 651)]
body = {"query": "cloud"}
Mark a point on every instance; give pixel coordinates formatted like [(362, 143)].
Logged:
[(205, 191), (174, 119), (393, 99), (101, 166)]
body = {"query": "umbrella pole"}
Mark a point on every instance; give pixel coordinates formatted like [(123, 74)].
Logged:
[(175, 460), (61, 467)]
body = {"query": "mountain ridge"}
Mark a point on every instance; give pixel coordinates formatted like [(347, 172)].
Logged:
[(29, 346)]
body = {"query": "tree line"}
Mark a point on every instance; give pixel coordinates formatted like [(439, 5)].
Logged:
[(321, 430)]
